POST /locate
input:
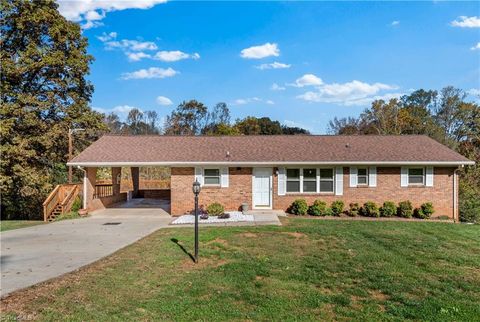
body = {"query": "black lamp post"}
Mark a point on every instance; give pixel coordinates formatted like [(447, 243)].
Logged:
[(196, 190)]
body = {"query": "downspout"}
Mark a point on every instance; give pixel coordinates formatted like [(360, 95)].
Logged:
[(84, 186), (455, 195)]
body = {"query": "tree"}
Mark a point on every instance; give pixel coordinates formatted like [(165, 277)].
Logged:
[(218, 121), (289, 130), (248, 126), (44, 92), (189, 118)]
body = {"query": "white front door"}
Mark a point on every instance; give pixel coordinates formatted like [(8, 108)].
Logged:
[(262, 188)]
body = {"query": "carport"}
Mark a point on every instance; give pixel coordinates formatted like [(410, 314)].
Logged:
[(120, 193)]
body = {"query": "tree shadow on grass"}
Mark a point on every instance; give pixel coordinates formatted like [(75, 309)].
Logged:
[(176, 241)]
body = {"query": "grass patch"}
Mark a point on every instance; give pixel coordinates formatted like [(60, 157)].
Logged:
[(16, 224), (68, 215), (304, 270)]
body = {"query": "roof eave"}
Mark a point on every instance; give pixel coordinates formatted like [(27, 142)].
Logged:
[(265, 163)]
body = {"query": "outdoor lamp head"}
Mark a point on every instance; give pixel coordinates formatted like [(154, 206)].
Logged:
[(196, 187)]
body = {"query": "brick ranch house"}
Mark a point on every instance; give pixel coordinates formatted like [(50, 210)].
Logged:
[(270, 172)]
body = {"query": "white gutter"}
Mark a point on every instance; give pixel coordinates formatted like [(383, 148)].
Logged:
[(244, 163), (84, 187)]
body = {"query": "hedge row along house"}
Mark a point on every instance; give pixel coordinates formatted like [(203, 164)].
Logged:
[(270, 172)]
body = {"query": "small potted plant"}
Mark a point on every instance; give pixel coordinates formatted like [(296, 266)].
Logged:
[(244, 207)]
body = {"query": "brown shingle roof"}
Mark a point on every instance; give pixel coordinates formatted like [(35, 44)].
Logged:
[(117, 150)]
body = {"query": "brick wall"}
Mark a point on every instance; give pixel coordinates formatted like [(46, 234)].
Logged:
[(388, 188), (182, 200)]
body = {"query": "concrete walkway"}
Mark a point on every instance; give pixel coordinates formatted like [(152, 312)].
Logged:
[(36, 254)]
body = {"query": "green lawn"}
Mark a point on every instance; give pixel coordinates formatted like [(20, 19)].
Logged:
[(305, 270), (15, 224)]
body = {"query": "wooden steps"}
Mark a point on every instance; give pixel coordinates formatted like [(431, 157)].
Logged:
[(59, 201)]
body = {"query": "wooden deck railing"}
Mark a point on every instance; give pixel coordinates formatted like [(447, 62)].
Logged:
[(51, 203), (59, 201), (103, 190)]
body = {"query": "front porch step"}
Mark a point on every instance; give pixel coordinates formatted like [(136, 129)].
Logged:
[(265, 212)]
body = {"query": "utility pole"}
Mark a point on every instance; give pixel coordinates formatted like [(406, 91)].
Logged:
[(70, 152)]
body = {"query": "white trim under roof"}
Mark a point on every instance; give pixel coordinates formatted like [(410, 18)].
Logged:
[(270, 163)]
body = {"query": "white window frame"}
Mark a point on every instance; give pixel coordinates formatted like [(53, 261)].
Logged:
[(317, 180), (314, 179), (212, 184), (367, 177), (300, 188), (332, 180), (423, 176)]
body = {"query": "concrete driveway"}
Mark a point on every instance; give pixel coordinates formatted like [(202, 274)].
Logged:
[(36, 254)]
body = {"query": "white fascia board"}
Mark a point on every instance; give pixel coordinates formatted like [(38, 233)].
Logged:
[(279, 163)]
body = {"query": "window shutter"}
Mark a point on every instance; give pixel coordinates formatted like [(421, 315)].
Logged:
[(353, 177), (404, 177), (282, 182), (339, 181), (372, 177), (199, 175), (429, 177), (224, 177)]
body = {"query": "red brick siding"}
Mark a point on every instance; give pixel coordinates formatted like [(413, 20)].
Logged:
[(388, 188), (239, 190)]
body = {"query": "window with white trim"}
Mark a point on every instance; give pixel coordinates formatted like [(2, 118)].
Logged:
[(211, 177), (326, 180), (362, 177), (416, 176), (309, 180), (293, 180)]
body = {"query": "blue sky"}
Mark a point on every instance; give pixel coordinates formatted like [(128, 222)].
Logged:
[(301, 63)]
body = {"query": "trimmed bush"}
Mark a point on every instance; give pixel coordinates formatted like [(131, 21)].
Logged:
[(299, 207), (354, 209), (405, 209), (329, 212), (337, 207), (319, 208), (388, 209), (425, 211), (370, 209), (215, 209)]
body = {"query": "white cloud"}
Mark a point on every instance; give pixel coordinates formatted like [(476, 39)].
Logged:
[(476, 47), (174, 55), (124, 109), (137, 56), (307, 80), (131, 45), (395, 23), (466, 22), (291, 123), (474, 92), (106, 37), (165, 101), (276, 87), (262, 51), (89, 12), (274, 65), (119, 109), (350, 93), (152, 72), (244, 101)]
